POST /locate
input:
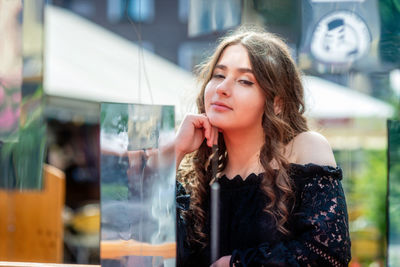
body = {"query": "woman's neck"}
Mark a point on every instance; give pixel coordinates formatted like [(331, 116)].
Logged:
[(243, 148)]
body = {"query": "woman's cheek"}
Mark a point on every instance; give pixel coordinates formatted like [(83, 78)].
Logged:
[(207, 97)]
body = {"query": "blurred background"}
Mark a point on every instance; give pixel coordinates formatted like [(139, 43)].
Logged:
[(60, 59)]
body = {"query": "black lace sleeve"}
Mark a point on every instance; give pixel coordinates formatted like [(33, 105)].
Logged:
[(320, 225)]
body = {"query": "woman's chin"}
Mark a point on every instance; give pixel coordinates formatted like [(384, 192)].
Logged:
[(220, 120), (219, 123)]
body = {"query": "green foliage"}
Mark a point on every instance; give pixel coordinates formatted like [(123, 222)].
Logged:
[(168, 118), (21, 162), (114, 118), (278, 12), (394, 178), (114, 191), (372, 185), (365, 185), (394, 200), (390, 30)]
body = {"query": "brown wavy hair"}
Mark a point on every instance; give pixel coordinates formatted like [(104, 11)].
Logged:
[(277, 75)]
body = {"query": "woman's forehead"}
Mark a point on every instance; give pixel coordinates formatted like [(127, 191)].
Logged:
[(234, 56)]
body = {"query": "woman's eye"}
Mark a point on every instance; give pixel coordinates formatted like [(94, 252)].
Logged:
[(246, 82), (218, 76)]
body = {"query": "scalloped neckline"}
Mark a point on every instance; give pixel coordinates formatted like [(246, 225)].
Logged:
[(238, 177)]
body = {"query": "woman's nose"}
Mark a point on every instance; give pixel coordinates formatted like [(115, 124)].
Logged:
[(224, 86)]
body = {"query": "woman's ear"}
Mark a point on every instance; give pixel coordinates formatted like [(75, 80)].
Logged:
[(278, 104)]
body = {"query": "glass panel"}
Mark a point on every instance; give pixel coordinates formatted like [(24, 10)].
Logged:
[(394, 194), (114, 10), (183, 10), (21, 161), (10, 69), (137, 185), (207, 16), (30, 213), (139, 11)]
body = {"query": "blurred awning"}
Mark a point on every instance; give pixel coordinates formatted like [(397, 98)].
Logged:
[(347, 118), (86, 62), (328, 100)]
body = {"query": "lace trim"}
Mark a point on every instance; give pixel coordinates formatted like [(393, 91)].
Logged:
[(238, 182), (333, 261), (302, 171), (312, 170)]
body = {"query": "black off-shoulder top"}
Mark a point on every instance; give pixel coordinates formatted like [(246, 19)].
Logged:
[(318, 223)]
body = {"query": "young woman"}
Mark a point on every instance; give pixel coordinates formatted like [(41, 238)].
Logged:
[(281, 199)]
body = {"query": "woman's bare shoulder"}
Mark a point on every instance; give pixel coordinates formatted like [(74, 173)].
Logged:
[(312, 147)]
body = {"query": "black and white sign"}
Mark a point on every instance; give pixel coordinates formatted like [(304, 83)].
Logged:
[(339, 37)]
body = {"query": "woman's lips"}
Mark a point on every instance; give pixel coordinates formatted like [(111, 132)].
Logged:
[(219, 106)]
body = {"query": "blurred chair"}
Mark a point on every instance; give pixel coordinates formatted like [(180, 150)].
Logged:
[(31, 225), (82, 234)]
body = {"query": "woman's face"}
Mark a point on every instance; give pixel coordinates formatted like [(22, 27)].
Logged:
[(233, 99)]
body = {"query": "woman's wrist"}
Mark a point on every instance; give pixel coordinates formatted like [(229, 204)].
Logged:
[(178, 157)]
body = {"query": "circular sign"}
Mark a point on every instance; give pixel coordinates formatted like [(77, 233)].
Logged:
[(340, 37)]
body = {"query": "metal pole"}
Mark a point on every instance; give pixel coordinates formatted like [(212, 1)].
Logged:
[(215, 221)]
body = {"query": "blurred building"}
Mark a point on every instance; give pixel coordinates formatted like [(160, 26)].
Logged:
[(159, 26)]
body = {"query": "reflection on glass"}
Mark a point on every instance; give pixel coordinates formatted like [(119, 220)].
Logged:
[(137, 185), (26, 234), (394, 194), (207, 16), (10, 69), (21, 160)]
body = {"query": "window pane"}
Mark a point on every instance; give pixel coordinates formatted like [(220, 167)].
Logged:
[(141, 10)]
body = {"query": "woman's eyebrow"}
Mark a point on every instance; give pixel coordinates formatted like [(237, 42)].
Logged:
[(219, 66), (243, 70)]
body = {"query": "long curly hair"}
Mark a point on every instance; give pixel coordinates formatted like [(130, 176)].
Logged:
[(277, 75)]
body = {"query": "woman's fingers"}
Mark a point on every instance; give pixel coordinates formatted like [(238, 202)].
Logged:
[(210, 133), (215, 140), (200, 128), (208, 130), (213, 135)]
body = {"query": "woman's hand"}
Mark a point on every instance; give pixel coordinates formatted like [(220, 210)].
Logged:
[(194, 128), (222, 262)]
